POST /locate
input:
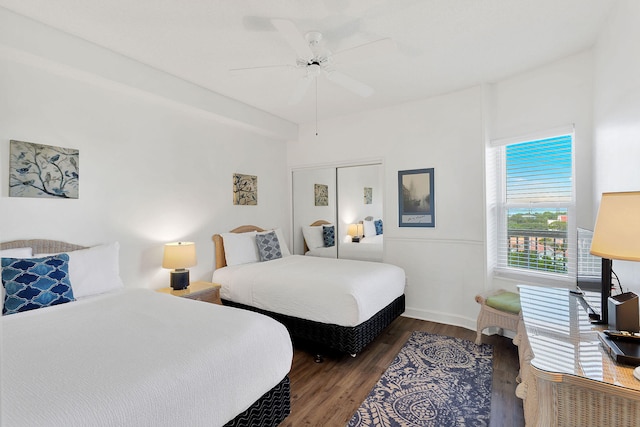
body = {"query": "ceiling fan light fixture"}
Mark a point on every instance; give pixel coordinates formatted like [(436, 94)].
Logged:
[(313, 70), (313, 38)]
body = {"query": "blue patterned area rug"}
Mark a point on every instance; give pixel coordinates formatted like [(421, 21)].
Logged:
[(434, 381)]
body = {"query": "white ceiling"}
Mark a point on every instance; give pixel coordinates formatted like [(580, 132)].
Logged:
[(442, 45)]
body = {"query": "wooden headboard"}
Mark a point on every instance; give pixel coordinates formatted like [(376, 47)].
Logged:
[(313, 224), (218, 242), (42, 246)]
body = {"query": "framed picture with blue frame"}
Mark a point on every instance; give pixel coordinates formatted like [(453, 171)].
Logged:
[(416, 198)]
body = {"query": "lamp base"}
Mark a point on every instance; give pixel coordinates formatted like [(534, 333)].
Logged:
[(180, 279)]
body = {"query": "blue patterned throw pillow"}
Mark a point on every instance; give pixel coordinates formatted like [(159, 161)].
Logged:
[(378, 224), (329, 235), (268, 246), (32, 283)]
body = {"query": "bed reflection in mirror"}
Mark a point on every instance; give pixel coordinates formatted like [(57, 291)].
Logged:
[(346, 220)]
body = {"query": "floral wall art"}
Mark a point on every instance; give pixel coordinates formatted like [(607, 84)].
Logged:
[(321, 194), (37, 170), (245, 189), (368, 195)]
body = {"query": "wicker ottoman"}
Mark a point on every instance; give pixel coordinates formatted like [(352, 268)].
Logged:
[(500, 309)]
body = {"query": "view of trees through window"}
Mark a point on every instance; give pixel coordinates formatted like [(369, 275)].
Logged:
[(538, 240), (538, 194)]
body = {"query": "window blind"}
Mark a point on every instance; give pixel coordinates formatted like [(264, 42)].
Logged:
[(535, 214)]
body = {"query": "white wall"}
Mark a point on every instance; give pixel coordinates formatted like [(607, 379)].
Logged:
[(152, 169), (617, 116)]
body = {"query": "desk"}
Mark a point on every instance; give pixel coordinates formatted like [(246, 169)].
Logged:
[(566, 377)]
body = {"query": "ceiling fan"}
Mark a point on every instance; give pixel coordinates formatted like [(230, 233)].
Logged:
[(315, 59)]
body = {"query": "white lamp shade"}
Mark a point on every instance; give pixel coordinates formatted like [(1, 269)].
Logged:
[(355, 230), (179, 255), (617, 231)]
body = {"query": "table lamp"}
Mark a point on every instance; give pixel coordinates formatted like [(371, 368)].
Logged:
[(355, 231), (616, 236), (179, 256)]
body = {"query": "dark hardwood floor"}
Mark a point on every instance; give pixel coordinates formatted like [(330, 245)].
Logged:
[(329, 393)]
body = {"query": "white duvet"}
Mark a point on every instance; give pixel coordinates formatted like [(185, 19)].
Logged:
[(336, 291), (137, 358), (368, 249)]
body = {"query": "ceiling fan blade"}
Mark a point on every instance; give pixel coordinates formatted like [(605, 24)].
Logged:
[(350, 83), (263, 67), (257, 23), (377, 48), (292, 36), (300, 90)]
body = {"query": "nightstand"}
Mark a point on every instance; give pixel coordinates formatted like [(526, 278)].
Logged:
[(201, 291)]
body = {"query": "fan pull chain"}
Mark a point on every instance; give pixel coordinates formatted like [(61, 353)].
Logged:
[(316, 106)]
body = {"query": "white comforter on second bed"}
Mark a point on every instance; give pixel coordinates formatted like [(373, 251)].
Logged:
[(336, 291), (138, 358)]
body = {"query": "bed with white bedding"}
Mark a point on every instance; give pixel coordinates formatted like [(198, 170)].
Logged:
[(341, 304), (138, 357), (367, 249)]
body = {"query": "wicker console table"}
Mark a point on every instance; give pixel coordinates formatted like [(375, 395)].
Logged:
[(567, 378)]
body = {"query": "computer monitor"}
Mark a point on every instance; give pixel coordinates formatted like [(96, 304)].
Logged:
[(593, 274)]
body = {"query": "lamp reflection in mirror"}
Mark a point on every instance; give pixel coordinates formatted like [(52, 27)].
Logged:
[(179, 256), (616, 235), (355, 231)]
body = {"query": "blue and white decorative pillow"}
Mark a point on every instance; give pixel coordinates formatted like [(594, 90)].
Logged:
[(378, 224), (32, 283), (329, 235), (268, 246)]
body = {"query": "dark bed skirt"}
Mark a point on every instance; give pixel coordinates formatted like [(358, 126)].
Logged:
[(346, 339), (268, 411)]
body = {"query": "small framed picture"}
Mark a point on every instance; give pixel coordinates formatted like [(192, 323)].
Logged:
[(416, 198), (321, 194), (245, 189), (368, 195)]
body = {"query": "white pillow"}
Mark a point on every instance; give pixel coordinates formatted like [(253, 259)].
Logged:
[(240, 248), (369, 228), (313, 236), (281, 241), (16, 253), (94, 270)]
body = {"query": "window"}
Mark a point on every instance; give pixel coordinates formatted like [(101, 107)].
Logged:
[(535, 194)]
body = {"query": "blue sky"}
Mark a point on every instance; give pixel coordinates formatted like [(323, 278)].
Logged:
[(540, 171)]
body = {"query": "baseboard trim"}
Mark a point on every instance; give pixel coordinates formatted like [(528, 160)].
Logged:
[(448, 319)]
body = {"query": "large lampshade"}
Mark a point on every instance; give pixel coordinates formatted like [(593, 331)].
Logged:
[(617, 231), (179, 256), (355, 231)]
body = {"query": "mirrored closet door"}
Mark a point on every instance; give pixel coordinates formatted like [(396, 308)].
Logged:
[(359, 212), (347, 198)]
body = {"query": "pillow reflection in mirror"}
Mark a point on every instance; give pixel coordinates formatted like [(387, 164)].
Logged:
[(369, 228), (313, 236)]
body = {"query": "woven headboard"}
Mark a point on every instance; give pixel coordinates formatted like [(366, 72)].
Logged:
[(42, 246), (218, 242)]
